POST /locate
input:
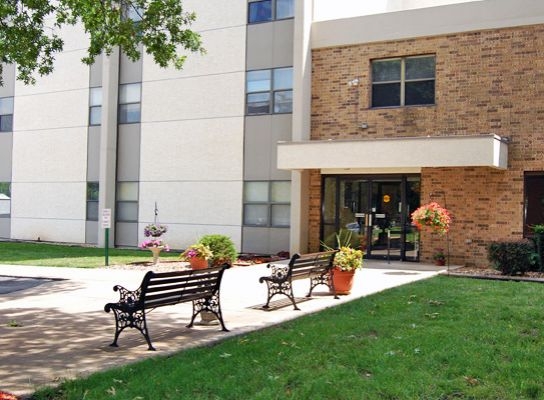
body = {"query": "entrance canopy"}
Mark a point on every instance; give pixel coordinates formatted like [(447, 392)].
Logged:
[(408, 154)]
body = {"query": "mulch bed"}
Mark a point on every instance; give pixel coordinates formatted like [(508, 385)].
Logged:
[(248, 260), (489, 273), (167, 265)]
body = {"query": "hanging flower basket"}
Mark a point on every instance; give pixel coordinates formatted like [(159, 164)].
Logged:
[(432, 216), (155, 230)]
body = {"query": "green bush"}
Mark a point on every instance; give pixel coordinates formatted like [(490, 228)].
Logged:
[(222, 247), (511, 258), (538, 241)]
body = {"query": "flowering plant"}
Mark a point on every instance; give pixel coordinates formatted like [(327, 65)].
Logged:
[(433, 216), (196, 250), (148, 243), (439, 255), (155, 230), (348, 259)]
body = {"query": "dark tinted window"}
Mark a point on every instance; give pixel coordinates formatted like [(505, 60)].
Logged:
[(403, 81), (418, 93), (386, 95), (534, 201), (6, 123), (260, 11)]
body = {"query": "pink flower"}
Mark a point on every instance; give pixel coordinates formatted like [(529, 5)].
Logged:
[(154, 243), (432, 216)]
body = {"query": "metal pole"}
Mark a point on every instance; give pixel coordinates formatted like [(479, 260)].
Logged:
[(388, 246), (106, 244)]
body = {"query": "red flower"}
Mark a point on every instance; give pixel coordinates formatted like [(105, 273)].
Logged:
[(7, 396), (432, 216)]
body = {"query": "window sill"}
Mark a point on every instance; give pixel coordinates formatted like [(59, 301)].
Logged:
[(396, 107)]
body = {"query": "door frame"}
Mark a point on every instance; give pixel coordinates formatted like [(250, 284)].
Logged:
[(405, 251)]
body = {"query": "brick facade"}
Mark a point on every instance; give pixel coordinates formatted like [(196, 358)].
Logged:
[(486, 82)]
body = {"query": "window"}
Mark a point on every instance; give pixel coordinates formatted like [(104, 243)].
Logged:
[(269, 10), (127, 201), (129, 103), (534, 201), (5, 199), (6, 114), (269, 91), (95, 106), (260, 11), (267, 204), (92, 201), (406, 81), (134, 12), (285, 9)]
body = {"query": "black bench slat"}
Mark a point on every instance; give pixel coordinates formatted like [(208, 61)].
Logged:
[(186, 285), (315, 266), (201, 287), (197, 291)]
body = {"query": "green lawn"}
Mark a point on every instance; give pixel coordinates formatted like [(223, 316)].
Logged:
[(443, 338), (42, 254)]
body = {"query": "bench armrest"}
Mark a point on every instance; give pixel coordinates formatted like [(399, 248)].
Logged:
[(280, 273), (126, 297)]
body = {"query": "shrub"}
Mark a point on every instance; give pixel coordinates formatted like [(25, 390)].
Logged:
[(511, 258), (222, 247), (538, 241)]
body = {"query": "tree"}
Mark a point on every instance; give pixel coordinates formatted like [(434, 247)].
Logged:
[(30, 31)]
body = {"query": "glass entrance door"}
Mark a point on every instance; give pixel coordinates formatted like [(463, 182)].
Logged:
[(376, 210)]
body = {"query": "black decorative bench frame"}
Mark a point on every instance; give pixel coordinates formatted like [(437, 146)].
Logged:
[(165, 289), (315, 266)]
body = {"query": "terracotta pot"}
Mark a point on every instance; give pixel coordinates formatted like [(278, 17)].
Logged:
[(440, 262), (198, 263), (342, 280)]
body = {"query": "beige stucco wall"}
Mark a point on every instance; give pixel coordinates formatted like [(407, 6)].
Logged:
[(50, 149), (192, 132)]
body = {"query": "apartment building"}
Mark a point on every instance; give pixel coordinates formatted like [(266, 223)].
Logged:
[(431, 104), (189, 147), (301, 119)]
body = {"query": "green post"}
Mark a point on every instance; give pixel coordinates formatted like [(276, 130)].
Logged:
[(106, 244)]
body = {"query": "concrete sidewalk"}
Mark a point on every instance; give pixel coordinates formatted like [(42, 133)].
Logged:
[(58, 329)]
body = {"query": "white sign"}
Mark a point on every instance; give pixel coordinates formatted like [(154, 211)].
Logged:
[(106, 218)]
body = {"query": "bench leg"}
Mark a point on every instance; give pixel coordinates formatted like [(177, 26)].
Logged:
[(288, 291), (210, 304), (292, 298), (323, 279), (131, 320), (284, 288)]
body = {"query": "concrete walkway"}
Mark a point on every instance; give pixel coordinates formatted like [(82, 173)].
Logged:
[(58, 329)]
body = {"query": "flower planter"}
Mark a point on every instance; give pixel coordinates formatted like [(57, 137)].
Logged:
[(342, 280), (156, 252), (198, 263), (440, 263), (207, 318)]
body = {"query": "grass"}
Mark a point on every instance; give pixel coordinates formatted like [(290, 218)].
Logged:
[(443, 338), (42, 254)]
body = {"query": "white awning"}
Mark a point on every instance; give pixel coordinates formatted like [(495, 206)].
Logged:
[(408, 154)]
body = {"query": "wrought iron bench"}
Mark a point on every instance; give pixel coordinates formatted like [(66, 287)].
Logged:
[(315, 266), (165, 289)]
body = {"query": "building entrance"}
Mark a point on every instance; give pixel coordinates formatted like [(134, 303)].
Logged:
[(376, 209)]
